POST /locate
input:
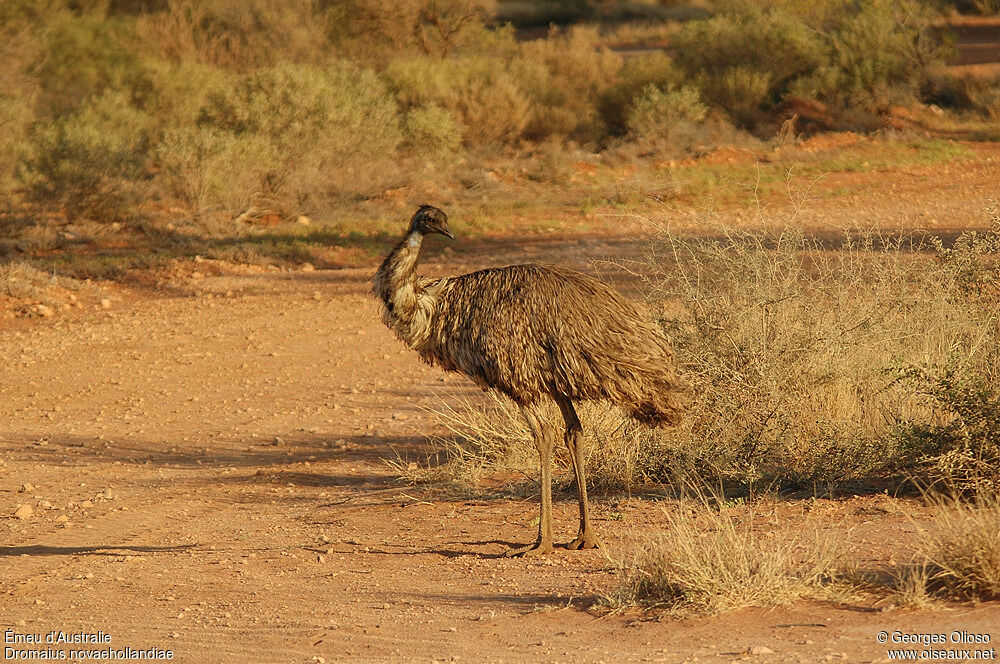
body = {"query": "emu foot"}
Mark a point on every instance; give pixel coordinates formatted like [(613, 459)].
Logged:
[(530, 551), (584, 541)]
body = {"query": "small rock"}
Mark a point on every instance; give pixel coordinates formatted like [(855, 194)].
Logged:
[(105, 303), (24, 512), (25, 488), (760, 650), (44, 311), (62, 518), (307, 267), (303, 220)]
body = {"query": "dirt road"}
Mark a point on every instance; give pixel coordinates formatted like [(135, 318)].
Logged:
[(206, 474)]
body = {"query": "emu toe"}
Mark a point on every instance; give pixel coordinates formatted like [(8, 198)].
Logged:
[(584, 541), (530, 551)]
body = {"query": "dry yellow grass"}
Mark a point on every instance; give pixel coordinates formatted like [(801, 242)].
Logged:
[(962, 549), (709, 560)]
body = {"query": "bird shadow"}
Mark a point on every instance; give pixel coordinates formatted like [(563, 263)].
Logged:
[(97, 550), (455, 552)]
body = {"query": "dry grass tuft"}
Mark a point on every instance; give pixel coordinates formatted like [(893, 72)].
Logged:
[(22, 281), (962, 549), (710, 560)]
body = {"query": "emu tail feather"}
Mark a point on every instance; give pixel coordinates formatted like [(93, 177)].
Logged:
[(662, 405)]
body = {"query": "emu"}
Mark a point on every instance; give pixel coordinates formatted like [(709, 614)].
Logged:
[(537, 334)]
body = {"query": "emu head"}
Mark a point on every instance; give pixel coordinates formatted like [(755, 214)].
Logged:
[(429, 219)]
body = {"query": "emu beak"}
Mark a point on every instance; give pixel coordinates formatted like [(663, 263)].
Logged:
[(447, 234)]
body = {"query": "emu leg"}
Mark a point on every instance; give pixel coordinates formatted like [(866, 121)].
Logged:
[(544, 441), (574, 441)]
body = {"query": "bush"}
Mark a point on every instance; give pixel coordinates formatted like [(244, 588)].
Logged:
[(564, 77), (82, 57), (317, 133), (636, 75), (380, 29), (90, 162), (176, 93), (433, 130), (881, 53), (961, 549), (744, 61), (958, 443), (238, 34), (15, 118), (481, 93), (963, 450), (707, 560), (792, 349), (215, 170), (669, 119), (978, 94)]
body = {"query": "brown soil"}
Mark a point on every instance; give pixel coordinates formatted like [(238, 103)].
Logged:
[(208, 475)]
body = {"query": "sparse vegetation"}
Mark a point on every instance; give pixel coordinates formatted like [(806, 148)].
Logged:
[(962, 552), (709, 559)]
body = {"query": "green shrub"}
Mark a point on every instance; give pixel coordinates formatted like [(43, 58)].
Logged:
[(881, 53), (564, 77), (635, 76), (82, 57), (668, 118), (16, 117), (90, 162), (320, 131), (432, 129), (481, 92), (175, 93), (238, 34), (215, 170), (378, 29), (745, 60), (978, 94)]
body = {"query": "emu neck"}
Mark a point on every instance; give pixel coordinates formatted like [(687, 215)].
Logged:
[(407, 307), (398, 270)]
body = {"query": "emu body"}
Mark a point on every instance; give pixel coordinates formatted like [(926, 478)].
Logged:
[(535, 333)]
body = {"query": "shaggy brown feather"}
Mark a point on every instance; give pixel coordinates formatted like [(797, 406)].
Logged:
[(531, 331)]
